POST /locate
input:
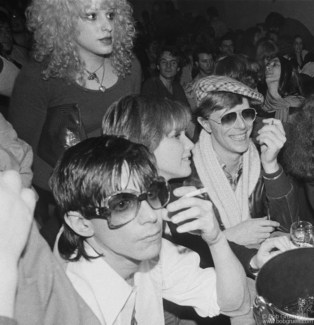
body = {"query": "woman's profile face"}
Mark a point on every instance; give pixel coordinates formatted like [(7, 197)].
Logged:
[(273, 70), (173, 155), (95, 30)]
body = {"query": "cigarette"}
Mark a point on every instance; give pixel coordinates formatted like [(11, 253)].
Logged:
[(196, 192)]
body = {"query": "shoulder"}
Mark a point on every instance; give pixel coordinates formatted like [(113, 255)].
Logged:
[(136, 66), (150, 82)]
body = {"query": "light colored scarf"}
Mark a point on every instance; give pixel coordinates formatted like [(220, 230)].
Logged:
[(233, 206), (281, 105)]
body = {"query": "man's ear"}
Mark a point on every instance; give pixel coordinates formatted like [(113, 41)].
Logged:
[(80, 225), (205, 124), (157, 66)]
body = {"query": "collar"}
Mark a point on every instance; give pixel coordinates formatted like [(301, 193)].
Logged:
[(91, 277)]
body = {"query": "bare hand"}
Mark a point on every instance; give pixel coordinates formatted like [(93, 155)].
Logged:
[(16, 215), (251, 231), (197, 217), (266, 251), (272, 138)]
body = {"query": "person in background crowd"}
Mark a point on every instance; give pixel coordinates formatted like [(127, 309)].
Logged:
[(166, 84), (226, 45), (286, 28), (83, 63), (284, 93), (298, 153), (298, 55), (8, 48), (266, 51), (203, 58), (219, 26)]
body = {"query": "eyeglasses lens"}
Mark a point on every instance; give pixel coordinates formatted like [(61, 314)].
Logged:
[(124, 206), (158, 194), (229, 119)]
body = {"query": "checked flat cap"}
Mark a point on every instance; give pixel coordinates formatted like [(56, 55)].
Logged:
[(204, 86)]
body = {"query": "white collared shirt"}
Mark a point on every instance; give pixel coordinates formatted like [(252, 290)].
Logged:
[(175, 276)]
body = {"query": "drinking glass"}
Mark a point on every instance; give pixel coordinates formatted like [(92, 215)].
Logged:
[(301, 234)]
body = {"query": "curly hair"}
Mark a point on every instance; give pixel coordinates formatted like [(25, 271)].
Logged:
[(298, 155), (54, 26)]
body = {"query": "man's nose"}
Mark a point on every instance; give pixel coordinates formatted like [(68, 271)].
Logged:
[(147, 214)]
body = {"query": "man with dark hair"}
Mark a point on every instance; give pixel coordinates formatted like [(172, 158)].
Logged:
[(113, 205), (226, 45), (203, 58), (166, 84)]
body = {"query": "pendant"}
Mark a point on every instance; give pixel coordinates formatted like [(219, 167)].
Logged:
[(92, 76), (102, 88)]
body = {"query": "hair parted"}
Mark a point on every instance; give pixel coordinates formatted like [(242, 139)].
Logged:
[(145, 120), (53, 23), (90, 171)]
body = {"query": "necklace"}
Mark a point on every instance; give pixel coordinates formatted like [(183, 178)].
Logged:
[(93, 76)]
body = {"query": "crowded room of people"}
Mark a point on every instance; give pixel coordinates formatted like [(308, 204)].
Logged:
[(157, 162)]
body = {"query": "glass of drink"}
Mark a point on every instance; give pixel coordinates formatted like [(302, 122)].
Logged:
[(301, 234)]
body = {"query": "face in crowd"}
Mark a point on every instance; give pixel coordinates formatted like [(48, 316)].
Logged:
[(95, 29), (168, 65), (227, 47), (230, 128), (273, 70), (205, 63)]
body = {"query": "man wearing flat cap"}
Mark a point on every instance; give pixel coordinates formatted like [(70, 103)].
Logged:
[(249, 190)]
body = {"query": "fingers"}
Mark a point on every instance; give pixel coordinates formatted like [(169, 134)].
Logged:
[(267, 229), (184, 203), (276, 124), (263, 222), (192, 213), (271, 140), (274, 128), (183, 190), (281, 243), (192, 226)]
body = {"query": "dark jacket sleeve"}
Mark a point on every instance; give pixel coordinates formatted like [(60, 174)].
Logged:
[(244, 255), (281, 198)]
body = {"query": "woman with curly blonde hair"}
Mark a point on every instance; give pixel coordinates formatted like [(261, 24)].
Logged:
[(83, 62), (55, 27)]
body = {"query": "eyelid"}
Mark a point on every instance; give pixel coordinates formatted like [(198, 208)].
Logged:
[(88, 14)]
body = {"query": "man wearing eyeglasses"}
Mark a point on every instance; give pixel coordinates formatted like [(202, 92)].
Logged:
[(250, 193), (113, 204)]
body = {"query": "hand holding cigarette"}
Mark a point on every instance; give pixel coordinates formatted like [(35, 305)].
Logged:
[(271, 138), (193, 214)]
